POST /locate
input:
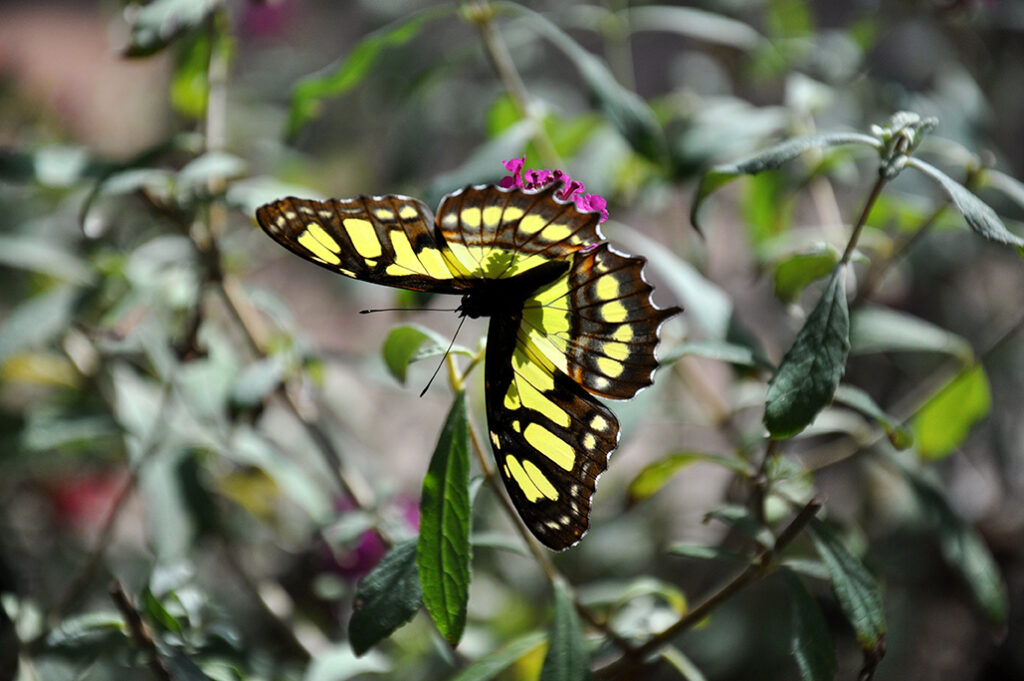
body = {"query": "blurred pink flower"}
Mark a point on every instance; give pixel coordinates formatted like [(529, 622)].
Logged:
[(363, 554), (571, 189)]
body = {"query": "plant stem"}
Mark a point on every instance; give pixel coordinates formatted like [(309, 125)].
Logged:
[(482, 14), (876, 191), (763, 563), (139, 632)]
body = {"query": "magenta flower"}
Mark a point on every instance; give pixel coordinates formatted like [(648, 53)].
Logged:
[(571, 189)]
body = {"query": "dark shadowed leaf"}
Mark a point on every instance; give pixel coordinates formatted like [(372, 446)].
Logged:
[(386, 598), (155, 25), (855, 587), (347, 73), (795, 272), (768, 159), (567, 658), (962, 547), (654, 476), (979, 215), (403, 345), (443, 551), (813, 649), (900, 437), (945, 420), (810, 371), (492, 664), (183, 668), (878, 329), (624, 109)]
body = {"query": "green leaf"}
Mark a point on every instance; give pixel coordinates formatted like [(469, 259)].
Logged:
[(157, 24), (979, 215), (492, 664), (567, 658), (732, 353), (443, 551), (655, 475), (44, 256), (813, 648), (694, 23), (36, 321), (386, 598), (962, 547), (484, 164), (795, 272), (900, 437), (879, 329), (624, 109), (347, 73), (157, 613), (854, 586), (692, 550), (402, 347), (810, 371), (740, 518), (768, 159), (944, 421), (197, 177)]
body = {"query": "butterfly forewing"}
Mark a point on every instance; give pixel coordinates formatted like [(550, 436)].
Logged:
[(382, 239)]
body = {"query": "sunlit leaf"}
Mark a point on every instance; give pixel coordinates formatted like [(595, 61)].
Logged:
[(157, 613), (978, 214), (811, 369), (337, 79), (795, 272), (156, 24), (339, 663), (403, 345), (944, 421), (36, 321), (201, 174), (962, 547), (813, 648), (567, 658), (694, 23), (443, 551), (855, 587), (900, 437), (386, 599), (878, 329), (656, 475), (683, 664), (767, 159), (492, 664)]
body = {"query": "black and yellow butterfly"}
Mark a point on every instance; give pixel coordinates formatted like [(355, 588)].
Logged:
[(570, 318)]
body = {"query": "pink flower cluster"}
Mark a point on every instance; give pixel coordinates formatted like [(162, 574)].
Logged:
[(571, 189)]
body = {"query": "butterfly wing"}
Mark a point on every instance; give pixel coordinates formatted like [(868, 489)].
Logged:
[(387, 240)]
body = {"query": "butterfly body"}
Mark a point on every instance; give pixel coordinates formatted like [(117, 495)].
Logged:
[(570, 318)]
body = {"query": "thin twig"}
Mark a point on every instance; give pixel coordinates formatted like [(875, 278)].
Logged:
[(761, 565), (139, 632), (876, 191)]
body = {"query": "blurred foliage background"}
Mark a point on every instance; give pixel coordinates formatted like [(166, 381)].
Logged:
[(193, 415)]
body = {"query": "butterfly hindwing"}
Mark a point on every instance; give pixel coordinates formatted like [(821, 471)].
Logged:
[(551, 439), (386, 240)]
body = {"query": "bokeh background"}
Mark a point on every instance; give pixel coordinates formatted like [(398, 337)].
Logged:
[(165, 365)]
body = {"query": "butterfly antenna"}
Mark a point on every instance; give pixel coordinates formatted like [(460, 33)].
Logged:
[(443, 357), (409, 309)]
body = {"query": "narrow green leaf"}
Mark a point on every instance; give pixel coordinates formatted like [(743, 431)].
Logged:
[(795, 272), (157, 24), (979, 215), (878, 329), (900, 437), (709, 27), (46, 256), (655, 475), (347, 73), (683, 664), (624, 109), (768, 159), (443, 551), (386, 598), (567, 658), (962, 547), (157, 613), (944, 421), (740, 518), (855, 587), (810, 371), (732, 353), (403, 345), (813, 648), (492, 664), (692, 550)]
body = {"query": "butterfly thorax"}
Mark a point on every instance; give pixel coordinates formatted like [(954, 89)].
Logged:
[(505, 297)]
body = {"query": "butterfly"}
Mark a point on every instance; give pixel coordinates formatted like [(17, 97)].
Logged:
[(571, 320)]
